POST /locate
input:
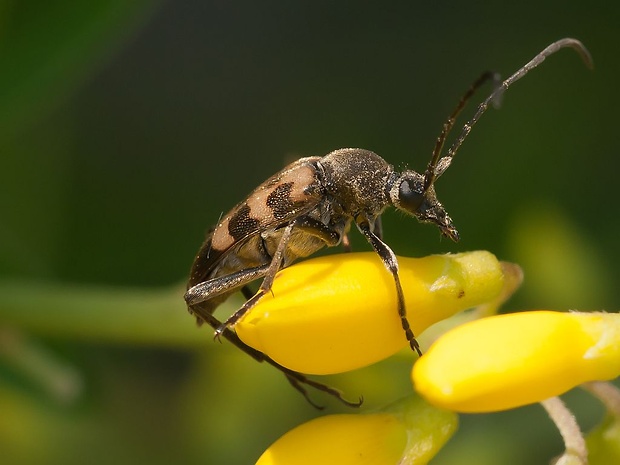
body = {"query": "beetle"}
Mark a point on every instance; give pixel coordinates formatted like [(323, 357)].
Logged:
[(312, 203)]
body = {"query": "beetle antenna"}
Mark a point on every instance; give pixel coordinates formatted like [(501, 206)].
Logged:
[(439, 165), (429, 174)]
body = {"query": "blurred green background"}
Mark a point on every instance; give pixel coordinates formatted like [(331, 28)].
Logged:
[(127, 128)]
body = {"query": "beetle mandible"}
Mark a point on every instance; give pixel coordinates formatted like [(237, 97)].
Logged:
[(311, 204)]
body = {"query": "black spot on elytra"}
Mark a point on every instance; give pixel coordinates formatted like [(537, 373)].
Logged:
[(461, 294), (241, 225), (279, 201)]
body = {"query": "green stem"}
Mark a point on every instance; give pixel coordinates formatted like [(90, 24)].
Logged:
[(104, 314)]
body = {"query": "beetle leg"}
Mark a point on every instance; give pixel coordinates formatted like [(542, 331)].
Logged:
[(309, 225), (330, 236), (207, 290), (211, 288), (296, 379), (390, 262), (232, 337), (269, 273)]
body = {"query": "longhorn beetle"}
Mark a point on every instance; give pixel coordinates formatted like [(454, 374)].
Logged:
[(311, 204)]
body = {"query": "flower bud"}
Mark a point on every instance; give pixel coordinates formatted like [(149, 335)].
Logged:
[(339, 313), (507, 361), (409, 431)]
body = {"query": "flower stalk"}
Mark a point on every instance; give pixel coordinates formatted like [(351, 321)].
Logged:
[(576, 452)]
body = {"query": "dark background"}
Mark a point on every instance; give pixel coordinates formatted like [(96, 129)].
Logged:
[(126, 130)]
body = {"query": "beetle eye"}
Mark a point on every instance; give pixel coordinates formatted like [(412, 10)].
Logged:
[(409, 199)]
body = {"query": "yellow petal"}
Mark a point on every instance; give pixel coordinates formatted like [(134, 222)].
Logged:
[(507, 361), (338, 313), (410, 431)]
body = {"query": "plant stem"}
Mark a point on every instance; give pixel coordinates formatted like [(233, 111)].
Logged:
[(102, 314)]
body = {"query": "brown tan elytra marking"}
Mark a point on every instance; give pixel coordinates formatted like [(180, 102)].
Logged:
[(222, 239), (311, 204), (249, 216)]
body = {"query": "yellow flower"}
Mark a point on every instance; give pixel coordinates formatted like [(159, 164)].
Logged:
[(409, 431), (339, 313), (508, 361)]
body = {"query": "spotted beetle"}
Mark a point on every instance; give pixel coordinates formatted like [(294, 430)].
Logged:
[(311, 204)]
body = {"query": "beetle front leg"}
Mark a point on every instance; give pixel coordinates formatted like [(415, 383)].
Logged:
[(330, 236), (390, 262), (314, 227)]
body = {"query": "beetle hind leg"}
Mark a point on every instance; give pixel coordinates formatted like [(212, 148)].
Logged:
[(296, 379)]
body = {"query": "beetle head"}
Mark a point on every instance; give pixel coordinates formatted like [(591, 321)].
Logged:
[(408, 194)]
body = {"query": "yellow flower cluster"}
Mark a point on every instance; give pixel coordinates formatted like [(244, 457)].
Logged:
[(338, 313)]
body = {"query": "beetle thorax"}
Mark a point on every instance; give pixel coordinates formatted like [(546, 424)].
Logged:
[(356, 179)]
